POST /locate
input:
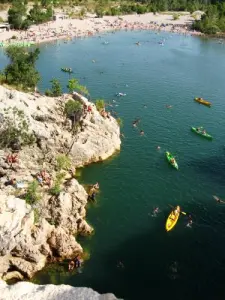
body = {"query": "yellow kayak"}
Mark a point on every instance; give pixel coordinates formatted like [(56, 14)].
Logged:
[(172, 219)]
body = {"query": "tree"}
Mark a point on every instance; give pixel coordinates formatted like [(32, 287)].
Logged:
[(100, 104), (21, 69), (56, 89), (14, 129), (37, 15), (73, 84), (73, 109), (16, 14)]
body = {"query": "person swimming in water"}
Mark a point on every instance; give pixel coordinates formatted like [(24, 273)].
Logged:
[(155, 212), (158, 147), (142, 132)]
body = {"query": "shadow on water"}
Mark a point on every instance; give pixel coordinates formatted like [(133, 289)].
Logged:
[(181, 264), (213, 166)]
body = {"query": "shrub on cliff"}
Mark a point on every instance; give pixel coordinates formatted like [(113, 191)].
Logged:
[(56, 188), (14, 129), (100, 104), (63, 162), (32, 194), (21, 70), (120, 122), (56, 89), (74, 85)]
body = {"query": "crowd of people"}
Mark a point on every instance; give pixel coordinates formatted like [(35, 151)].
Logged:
[(69, 28)]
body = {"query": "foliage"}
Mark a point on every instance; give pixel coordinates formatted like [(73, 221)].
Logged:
[(21, 69), (176, 16), (36, 215), (56, 89), (72, 107), (1, 20), (32, 194), (73, 84), (15, 128), (16, 14), (56, 188), (63, 162), (100, 104), (37, 15), (99, 12), (120, 122), (213, 21)]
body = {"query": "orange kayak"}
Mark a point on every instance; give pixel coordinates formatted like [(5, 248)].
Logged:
[(202, 101)]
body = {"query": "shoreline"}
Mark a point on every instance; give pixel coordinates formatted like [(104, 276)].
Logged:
[(68, 29)]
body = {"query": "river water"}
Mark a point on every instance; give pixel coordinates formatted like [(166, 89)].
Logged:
[(186, 263)]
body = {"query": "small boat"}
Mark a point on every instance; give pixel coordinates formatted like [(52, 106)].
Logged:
[(202, 132), (171, 160), (172, 219), (68, 70), (202, 101)]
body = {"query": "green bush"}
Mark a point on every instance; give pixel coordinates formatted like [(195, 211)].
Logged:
[(120, 122), (72, 107), (176, 17), (56, 89), (63, 162), (21, 70), (32, 194), (15, 129), (55, 190), (100, 104)]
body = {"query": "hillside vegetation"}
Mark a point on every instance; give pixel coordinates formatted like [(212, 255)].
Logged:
[(213, 21)]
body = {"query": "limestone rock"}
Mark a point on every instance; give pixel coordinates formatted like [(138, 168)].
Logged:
[(30, 291), (31, 235), (63, 244)]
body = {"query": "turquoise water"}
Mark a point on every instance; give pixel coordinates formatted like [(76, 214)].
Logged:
[(186, 263)]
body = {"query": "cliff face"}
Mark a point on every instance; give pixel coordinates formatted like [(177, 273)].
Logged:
[(29, 291), (32, 234)]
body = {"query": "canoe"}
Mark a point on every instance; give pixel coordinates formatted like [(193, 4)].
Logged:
[(68, 70), (202, 101), (172, 219), (169, 157), (205, 135)]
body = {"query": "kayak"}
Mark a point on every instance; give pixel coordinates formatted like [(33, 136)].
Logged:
[(202, 101), (172, 219), (169, 157), (199, 132), (68, 70)]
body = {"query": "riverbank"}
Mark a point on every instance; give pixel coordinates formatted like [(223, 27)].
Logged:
[(70, 28), (43, 207)]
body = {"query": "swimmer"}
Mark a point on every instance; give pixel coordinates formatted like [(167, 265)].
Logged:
[(189, 224), (155, 212), (158, 147), (168, 106), (142, 132)]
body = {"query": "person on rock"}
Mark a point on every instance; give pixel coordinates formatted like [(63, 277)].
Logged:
[(71, 265), (77, 261)]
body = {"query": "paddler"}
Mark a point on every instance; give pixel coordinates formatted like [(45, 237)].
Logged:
[(177, 211)]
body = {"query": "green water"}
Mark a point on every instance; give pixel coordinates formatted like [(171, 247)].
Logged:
[(186, 263)]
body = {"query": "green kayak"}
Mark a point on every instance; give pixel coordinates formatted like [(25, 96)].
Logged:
[(171, 160), (202, 132)]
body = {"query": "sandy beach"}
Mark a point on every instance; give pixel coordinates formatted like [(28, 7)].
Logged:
[(69, 28)]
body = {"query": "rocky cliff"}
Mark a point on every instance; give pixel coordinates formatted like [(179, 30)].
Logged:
[(36, 230), (26, 290)]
